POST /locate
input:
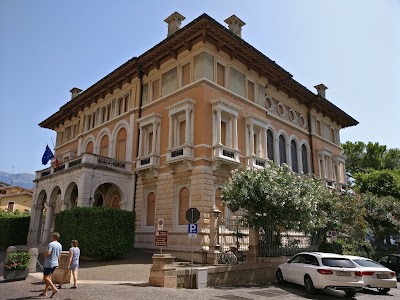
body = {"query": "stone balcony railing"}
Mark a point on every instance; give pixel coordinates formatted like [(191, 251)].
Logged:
[(87, 159), (256, 161), (226, 153), (180, 153)]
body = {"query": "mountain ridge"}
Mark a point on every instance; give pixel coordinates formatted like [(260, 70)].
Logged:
[(24, 180)]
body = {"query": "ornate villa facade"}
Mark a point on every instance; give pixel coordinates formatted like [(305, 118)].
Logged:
[(162, 133)]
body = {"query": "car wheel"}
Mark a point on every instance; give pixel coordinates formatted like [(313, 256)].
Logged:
[(350, 293), (309, 285), (383, 291), (279, 277)]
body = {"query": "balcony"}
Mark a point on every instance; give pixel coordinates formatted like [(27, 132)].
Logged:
[(87, 160), (256, 161), (225, 155), (180, 155), (149, 162)]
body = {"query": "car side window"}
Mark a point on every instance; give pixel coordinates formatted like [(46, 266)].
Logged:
[(296, 259), (384, 259), (313, 260)]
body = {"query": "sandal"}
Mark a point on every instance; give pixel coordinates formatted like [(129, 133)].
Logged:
[(53, 293), (43, 294), (73, 287), (59, 286)]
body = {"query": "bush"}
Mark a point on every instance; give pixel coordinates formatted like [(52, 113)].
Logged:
[(102, 232), (17, 261), (333, 247), (14, 227)]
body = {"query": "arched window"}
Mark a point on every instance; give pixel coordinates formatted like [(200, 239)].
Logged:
[(270, 144), (121, 144), (89, 147), (293, 152), (104, 146), (218, 201), (282, 150), (304, 159), (183, 206), (151, 209)]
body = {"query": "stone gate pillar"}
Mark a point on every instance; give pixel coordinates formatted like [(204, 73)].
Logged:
[(254, 245), (214, 247)]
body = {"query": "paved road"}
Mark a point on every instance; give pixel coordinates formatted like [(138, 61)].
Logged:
[(106, 290)]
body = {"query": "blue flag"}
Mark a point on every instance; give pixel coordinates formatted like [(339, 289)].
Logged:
[(47, 155)]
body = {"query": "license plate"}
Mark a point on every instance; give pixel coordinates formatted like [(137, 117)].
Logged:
[(343, 273), (382, 276)]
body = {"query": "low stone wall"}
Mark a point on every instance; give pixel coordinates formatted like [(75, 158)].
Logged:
[(261, 272)]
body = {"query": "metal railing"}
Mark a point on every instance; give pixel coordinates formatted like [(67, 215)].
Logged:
[(234, 242)]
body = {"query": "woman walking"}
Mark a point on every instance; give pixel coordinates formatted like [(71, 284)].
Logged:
[(73, 264)]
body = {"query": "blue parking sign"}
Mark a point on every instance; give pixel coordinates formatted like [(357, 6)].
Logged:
[(192, 228)]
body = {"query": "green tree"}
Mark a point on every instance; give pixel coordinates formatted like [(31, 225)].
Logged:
[(379, 182), (275, 197)]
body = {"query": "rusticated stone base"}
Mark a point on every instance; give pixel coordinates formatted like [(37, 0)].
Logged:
[(163, 273)]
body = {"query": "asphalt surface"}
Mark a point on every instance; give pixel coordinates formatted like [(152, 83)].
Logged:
[(127, 279)]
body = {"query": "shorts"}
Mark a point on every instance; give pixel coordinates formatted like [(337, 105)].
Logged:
[(49, 271), (73, 267)]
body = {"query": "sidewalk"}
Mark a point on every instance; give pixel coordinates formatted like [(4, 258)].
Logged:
[(133, 267)]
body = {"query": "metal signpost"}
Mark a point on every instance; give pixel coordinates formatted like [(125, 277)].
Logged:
[(192, 216)]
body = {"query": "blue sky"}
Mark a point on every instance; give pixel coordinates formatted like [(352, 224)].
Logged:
[(47, 47)]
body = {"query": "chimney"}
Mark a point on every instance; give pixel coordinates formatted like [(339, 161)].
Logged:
[(75, 92), (321, 88), (174, 22), (235, 25)]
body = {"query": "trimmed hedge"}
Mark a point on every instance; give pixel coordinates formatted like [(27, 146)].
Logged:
[(102, 232), (14, 228)]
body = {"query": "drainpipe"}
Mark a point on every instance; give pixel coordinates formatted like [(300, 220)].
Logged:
[(140, 73)]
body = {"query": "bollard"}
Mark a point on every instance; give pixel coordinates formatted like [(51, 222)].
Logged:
[(34, 252)]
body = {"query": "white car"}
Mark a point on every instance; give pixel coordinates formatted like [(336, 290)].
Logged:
[(374, 274), (317, 270)]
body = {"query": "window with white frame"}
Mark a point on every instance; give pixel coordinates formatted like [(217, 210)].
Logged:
[(225, 136), (282, 150), (181, 126), (256, 140), (149, 139), (270, 145), (304, 159), (293, 156)]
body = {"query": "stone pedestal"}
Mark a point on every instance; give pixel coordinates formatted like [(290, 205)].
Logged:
[(34, 252), (214, 252), (59, 272), (162, 272)]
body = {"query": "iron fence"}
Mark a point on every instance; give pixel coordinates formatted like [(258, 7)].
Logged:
[(234, 242), (274, 243)]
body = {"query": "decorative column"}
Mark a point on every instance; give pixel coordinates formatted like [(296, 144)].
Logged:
[(153, 148), (187, 127), (47, 225), (64, 205), (235, 133), (219, 127), (214, 247), (170, 132)]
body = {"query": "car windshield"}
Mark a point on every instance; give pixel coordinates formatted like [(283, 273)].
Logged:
[(368, 263), (337, 262)]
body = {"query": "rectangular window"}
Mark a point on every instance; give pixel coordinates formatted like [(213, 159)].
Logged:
[(10, 207), (108, 112), (223, 133), (149, 143), (220, 74), (237, 82), (145, 94), (185, 76), (250, 90), (182, 131), (318, 127), (332, 135), (156, 89), (261, 95), (169, 82), (203, 66)]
